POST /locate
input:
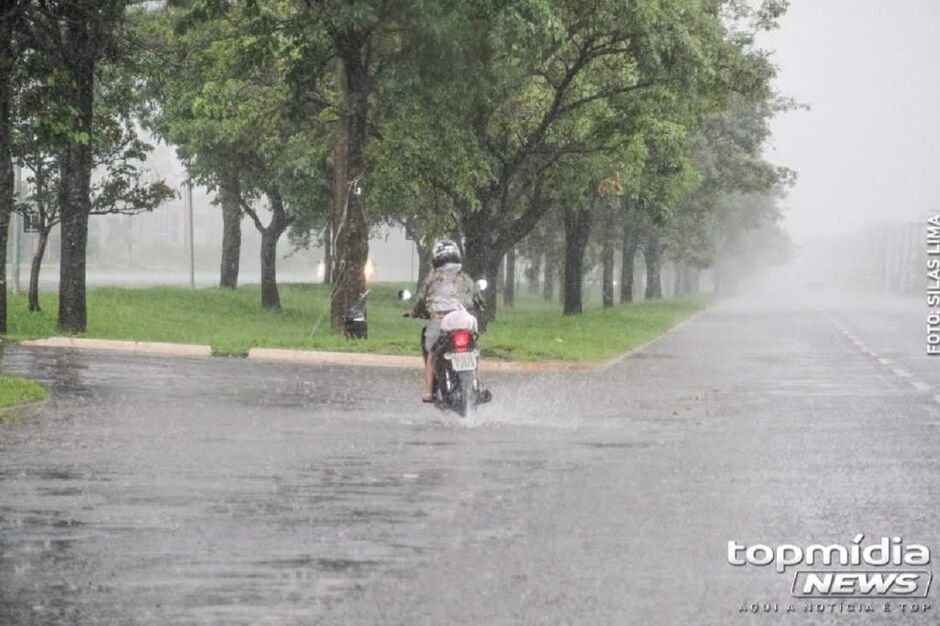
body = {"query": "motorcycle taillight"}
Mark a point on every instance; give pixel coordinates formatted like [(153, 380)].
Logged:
[(461, 340)]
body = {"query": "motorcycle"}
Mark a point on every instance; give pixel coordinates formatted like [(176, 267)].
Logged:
[(456, 383), (354, 319)]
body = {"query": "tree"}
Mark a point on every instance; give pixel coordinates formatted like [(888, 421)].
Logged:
[(608, 237), (226, 100), (533, 272), (229, 198), (544, 248), (11, 21), (117, 151), (630, 244), (178, 113), (509, 282), (354, 41), (183, 74), (526, 85), (270, 234), (74, 38), (577, 229), (652, 254), (737, 191)]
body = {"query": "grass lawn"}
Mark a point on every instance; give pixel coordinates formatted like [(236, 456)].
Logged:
[(14, 391), (232, 322)]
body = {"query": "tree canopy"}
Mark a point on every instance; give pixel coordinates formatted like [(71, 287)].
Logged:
[(607, 122)]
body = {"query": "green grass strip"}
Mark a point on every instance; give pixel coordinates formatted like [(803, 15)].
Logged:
[(232, 322), (15, 391)]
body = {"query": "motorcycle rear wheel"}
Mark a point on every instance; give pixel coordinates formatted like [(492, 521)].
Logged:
[(465, 400)]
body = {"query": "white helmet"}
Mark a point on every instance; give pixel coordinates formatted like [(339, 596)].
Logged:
[(445, 251)]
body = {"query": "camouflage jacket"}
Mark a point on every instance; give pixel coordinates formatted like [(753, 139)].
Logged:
[(445, 290)]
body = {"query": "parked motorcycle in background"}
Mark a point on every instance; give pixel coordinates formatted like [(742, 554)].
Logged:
[(457, 385), (354, 319)]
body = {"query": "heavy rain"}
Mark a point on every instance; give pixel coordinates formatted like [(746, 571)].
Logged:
[(420, 312)]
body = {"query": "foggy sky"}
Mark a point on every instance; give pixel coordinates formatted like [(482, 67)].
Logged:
[(869, 148)]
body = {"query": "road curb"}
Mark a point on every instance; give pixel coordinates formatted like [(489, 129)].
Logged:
[(283, 355), (314, 357), (115, 345)]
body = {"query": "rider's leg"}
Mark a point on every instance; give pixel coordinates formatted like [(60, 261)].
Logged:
[(431, 332), (429, 376)]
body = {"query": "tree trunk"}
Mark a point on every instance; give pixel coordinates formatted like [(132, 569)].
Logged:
[(490, 273), (424, 263), (35, 268), (231, 232), (679, 288), (270, 298), (532, 275), (75, 181), (340, 191), (7, 182), (480, 258), (606, 234), (551, 275), (501, 276), (74, 185), (352, 230), (509, 282), (577, 229), (628, 262), (695, 278), (607, 261), (653, 252), (687, 278), (487, 238)]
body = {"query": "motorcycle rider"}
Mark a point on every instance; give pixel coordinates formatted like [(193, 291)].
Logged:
[(445, 289)]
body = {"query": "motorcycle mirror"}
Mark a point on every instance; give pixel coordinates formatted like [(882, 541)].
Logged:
[(404, 294), (482, 284)]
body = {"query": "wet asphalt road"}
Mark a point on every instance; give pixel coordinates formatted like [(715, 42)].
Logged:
[(152, 490)]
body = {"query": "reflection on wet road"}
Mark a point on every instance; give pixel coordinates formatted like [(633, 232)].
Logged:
[(155, 490)]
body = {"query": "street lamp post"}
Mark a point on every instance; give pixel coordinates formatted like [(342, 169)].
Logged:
[(17, 228), (189, 233)]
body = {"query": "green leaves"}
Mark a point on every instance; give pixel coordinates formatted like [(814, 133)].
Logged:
[(227, 99), (481, 114)]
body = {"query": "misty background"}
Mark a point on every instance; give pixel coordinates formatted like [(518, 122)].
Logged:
[(867, 150)]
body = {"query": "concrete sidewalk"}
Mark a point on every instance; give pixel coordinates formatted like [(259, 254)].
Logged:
[(283, 355), (362, 359), (115, 345)]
